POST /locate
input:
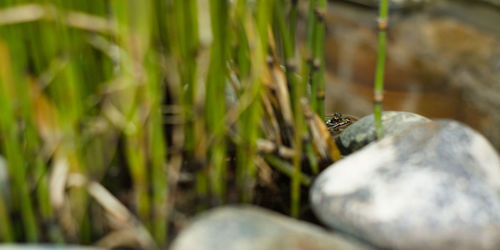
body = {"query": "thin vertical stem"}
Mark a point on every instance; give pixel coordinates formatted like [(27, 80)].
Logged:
[(292, 23), (215, 98), (310, 38), (318, 81), (380, 68), (186, 22), (5, 224), (134, 34), (311, 20), (307, 71), (297, 90), (287, 36), (9, 132), (315, 54), (250, 117), (158, 152)]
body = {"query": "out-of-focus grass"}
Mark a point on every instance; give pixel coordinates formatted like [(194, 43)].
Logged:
[(93, 93)]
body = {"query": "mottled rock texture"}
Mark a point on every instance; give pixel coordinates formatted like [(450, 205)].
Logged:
[(251, 228), (363, 132), (435, 185)]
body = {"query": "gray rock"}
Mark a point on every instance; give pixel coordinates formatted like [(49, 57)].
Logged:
[(431, 186), (251, 228), (363, 132), (399, 4)]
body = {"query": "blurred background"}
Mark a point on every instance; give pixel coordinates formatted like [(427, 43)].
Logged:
[(443, 60)]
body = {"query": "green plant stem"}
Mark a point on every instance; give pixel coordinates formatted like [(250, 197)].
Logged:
[(297, 90), (158, 152), (313, 161), (134, 34), (315, 54), (6, 234), (286, 168), (318, 74), (380, 68), (251, 116), (186, 46), (215, 97), (9, 134), (292, 23)]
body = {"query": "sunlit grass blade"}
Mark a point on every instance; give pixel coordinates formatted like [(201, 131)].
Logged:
[(9, 132), (158, 154), (215, 103)]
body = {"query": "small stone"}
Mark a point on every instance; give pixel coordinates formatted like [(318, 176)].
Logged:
[(252, 228), (432, 186), (363, 131), (398, 4)]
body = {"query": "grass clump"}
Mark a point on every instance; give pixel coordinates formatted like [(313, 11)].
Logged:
[(119, 117)]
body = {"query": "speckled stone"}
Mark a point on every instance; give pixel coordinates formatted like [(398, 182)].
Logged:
[(252, 228), (363, 131), (432, 186), (398, 4)]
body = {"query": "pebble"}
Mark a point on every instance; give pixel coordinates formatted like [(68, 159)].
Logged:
[(431, 186), (252, 228), (363, 132), (398, 4)]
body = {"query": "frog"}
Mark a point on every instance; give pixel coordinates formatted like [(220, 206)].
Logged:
[(338, 122)]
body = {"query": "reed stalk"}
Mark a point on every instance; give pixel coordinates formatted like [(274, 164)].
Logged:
[(215, 105), (288, 169), (133, 35), (158, 156), (296, 89), (252, 91), (315, 54), (380, 67), (292, 22), (318, 75), (185, 45), (6, 233), (13, 149)]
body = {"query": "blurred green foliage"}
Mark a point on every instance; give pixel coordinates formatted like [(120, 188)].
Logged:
[(106, 105)]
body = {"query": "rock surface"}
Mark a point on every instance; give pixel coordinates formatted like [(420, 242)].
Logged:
[(431, 186), (392, 3), (363, 132), (251, 228)]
